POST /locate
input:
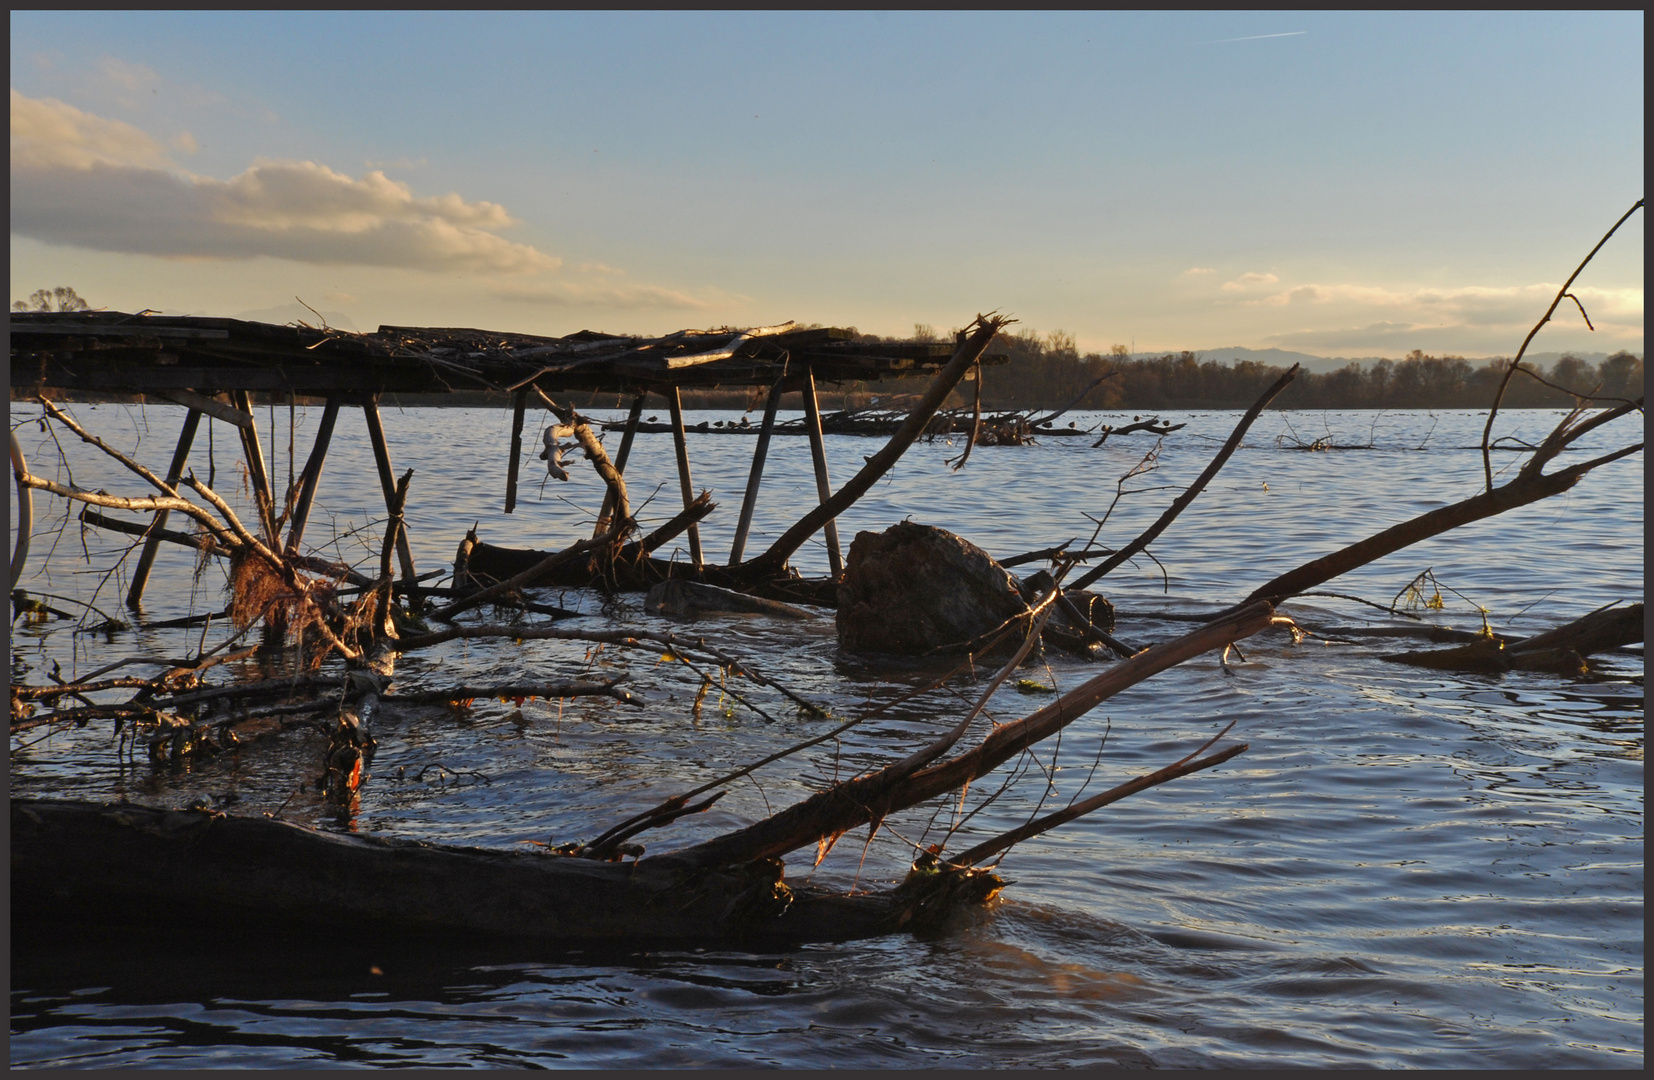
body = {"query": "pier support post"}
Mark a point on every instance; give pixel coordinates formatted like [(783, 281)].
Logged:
[(312, 475), (254, 453), (675, 401), (146, 559), (621, 455), (750, 500), (818, 453), (519, 403), (387, 481)]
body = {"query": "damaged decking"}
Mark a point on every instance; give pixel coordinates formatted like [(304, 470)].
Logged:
[(216, 366)]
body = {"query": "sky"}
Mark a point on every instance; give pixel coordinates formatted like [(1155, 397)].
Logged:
[(1331, 183)]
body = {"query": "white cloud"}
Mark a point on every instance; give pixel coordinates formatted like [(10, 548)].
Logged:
[(1249, 281), (601, 294), (48, 134), (1195, 271), (1471, 313), (87, 181)]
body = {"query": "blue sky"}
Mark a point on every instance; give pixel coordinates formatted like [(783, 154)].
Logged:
[(1338, 184)]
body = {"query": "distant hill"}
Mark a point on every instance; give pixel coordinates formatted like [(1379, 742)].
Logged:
[(1322, 364)]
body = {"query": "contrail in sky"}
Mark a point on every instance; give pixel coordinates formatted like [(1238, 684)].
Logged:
[(1256, 37)]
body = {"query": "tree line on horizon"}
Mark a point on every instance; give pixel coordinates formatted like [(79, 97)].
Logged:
[(1046, 371)]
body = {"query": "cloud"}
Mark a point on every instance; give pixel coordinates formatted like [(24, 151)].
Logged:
[(87, 181), (601, 294), (1194, 271), (1249, 281), (48, 134), (1469, 317)]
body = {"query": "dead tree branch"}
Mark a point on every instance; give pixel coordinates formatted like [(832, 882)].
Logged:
[(1510, 369)]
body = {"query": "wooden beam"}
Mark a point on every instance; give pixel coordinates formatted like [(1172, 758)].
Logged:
[(312, 475), (818, 454), (621, 455), (519, 402), (674, 401), (202, 403), (387, 482), (255, 467), (152, 544), (750, 500)]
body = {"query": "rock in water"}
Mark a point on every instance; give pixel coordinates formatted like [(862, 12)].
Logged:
[(914, 588), (691, 600)]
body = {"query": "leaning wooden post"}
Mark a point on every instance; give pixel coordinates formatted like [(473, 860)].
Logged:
[(255, 465), (818, 454), (312, 475), (519, 404), (621, 455), (674, 401), (146, 560), (774, 560), (751, 499), (387, 481)]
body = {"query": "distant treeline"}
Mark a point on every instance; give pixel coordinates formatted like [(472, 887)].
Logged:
[(1046, 371)]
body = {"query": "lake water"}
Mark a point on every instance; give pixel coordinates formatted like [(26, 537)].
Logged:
[(1407, 869)]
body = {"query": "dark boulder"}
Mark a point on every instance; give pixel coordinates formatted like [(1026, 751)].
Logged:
[(915, 589)]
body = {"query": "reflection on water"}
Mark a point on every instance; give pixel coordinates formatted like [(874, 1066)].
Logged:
[(1407, 868)]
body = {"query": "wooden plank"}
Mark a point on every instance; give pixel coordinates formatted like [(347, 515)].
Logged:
[(621, 455), (255, 468), (312, 474), (202, 403), (750, 500), (387, 482), (519, 403), (152, 544), (674, 401), (818, 455)]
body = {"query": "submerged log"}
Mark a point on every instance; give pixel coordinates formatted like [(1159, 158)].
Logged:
[(134, 865), (692, 600)]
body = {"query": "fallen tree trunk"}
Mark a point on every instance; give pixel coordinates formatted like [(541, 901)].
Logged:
[(138, 866), (1562, 650)]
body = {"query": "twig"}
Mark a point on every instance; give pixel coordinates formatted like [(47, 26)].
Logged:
[(1178, 504), (1487, 430)]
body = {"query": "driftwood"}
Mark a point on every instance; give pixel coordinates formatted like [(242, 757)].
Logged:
[(85, 862), (1562, 650)]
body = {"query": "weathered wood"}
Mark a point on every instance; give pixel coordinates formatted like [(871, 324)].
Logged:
[(25, 510), (254, 454), (818, 458), (1563, 649), (680, 442), (621, 456), (387, 483), (132, 865), (749, 501), (593, 446), (312, 475), (1530, 485), (146, 558), (202, 403), (771, 563), (852, 803), (519, 402)]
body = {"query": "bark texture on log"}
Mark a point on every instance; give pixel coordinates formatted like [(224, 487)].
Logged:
[(916, 589), (76, 860)]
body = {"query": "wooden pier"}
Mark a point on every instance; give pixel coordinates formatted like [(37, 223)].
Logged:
[(217, 367)]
